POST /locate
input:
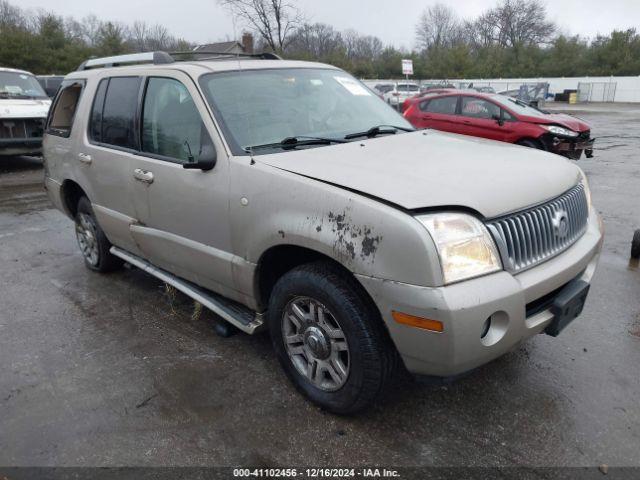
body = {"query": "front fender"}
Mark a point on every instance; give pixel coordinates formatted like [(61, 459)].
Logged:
[(271, 207)]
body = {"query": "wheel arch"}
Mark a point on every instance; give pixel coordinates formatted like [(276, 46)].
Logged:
[(280, 259), (538, 141), (71, 194)]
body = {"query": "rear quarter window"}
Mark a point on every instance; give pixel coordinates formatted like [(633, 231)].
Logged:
[(64, 108), (444, 105)]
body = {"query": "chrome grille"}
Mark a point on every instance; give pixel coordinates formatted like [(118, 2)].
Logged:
[(531, 236)]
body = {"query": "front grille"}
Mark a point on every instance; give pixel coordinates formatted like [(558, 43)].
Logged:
[(531, 236), (21, 128)]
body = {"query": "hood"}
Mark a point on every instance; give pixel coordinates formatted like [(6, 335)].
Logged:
[(435, 169), (562, 119), (24, 108)]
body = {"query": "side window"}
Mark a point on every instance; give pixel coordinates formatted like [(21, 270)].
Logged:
[(479, 108), (63, 111), (444, 105), (507, 117), (116, 125), (171, 124), (95, 123)]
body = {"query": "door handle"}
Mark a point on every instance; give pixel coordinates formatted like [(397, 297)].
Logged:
[(143, 175), (85, 158)]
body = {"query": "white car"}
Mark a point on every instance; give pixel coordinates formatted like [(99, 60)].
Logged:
[(23, 110), (400, 92)]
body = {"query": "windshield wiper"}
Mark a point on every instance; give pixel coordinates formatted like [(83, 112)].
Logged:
[(377, 130), (290, 143)]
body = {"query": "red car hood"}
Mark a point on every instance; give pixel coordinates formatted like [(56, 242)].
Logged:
[(562, 119)]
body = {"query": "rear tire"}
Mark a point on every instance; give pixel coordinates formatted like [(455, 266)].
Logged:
[(635, 245), (92, 241), (337, 352)]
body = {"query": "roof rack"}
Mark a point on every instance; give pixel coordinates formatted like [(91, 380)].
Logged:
[(163, 58), (260, 56)]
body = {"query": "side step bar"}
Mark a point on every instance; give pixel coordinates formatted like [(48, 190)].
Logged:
[(236, 314)]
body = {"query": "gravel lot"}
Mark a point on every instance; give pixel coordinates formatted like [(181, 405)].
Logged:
[(113, 370)]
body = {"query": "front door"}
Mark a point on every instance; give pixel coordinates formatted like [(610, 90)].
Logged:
[(183, 223), (482, 118)]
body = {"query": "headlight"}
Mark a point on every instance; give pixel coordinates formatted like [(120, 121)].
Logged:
[(464, 245), (587, 190), (556, 130)]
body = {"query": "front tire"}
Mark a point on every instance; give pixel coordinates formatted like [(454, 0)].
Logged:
[(92, 241), (530, 144), (329, 338)]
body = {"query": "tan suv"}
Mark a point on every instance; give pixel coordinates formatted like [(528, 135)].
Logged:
[(286, 195)]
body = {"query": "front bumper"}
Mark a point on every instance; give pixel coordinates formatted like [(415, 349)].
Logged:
[(20, 146), (512, 301), (21, 136), (571, 148)]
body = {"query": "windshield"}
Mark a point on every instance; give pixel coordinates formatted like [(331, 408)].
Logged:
[(518, 107), (257, 107), (20, 85)]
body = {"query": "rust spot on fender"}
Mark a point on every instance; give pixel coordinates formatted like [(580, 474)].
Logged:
[(352, 240)]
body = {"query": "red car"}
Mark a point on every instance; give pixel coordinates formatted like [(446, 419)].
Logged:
[(502, 118)]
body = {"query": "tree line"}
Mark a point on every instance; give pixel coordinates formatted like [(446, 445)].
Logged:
[(46, 43), (515, 38)]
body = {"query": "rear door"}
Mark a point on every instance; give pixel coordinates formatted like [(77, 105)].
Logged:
[(104, 153), (483, 118), (60, 138), (183, 214), (440, 113)]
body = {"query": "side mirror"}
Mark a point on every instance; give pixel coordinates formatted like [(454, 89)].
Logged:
[(206, 161), (499, 119)]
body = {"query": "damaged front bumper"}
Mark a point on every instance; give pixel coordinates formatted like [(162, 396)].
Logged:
[(485, 317), (571, 148)]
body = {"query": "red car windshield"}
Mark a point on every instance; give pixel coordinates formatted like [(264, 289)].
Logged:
[(517, 107)]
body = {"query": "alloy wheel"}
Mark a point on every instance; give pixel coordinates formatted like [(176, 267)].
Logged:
[(316, 343)]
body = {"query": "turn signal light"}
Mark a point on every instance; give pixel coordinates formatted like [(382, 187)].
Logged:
[(418, 322)]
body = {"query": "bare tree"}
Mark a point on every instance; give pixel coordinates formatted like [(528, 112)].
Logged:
[(143, 37), (514, 23), (316, 40), (274, 20), (91, 26), (11, 16), (438, 26), (360, 46)]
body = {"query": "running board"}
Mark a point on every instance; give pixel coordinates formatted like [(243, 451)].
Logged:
[(236, 314)]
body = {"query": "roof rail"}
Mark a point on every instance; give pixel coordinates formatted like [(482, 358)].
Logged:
[(157, 58), (161, 58), (261, 56)]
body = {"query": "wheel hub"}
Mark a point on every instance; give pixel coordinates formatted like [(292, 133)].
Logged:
[(317, 342)]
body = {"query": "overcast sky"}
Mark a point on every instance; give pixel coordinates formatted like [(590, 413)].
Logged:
[(391, 20)]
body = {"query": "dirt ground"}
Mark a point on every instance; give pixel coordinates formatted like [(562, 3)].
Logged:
[(113, 370)]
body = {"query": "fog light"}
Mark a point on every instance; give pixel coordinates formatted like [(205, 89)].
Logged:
[(486, 327), (418, 322), (494, 328)]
